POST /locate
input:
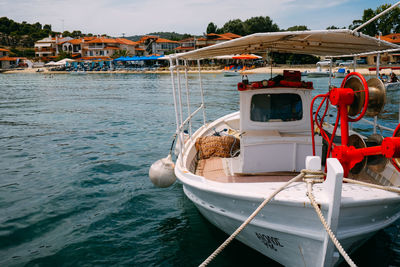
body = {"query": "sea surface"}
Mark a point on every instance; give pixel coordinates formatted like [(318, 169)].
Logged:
[(74, 189)]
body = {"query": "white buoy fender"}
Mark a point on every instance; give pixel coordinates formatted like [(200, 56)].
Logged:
[(162, 173)]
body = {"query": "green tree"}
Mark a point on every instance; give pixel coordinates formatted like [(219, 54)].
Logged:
[(333, 27), (259, 24), (386, 24), (121, 53), (63, 55), (76, 34), (298, 28), (47, 27), (212, 28), (235, 26)]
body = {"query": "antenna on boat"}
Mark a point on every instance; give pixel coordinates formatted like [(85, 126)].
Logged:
[(374, 18)]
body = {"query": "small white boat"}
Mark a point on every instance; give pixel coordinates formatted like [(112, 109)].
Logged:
[(229, 73), (229, 166), (318, 73)]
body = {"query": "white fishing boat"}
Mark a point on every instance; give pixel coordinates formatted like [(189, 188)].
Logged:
[(230, 166), (319, 72)]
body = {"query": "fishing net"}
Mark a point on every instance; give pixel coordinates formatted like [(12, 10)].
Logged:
[(217, 146)]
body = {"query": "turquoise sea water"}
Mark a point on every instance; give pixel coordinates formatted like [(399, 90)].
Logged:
[(74, 189)]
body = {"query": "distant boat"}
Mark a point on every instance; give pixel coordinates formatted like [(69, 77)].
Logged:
[(340, 73), (318, 73), (228, 73)]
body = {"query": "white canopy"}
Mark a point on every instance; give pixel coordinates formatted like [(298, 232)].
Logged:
[(320, 43), (51, 63), (63, 61)]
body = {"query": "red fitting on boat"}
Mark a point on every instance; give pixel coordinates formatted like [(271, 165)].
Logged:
[(391, 147), (341, 96), (242, 87)]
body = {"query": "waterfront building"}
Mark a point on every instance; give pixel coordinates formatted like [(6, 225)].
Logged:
[(213, 38), (186, 45), (7, 62), (4, 58), (48, 48), (85, 47), (74, 46), (156, 45)]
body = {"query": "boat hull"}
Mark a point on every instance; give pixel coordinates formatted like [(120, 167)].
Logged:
[(231, 73), (318, 74), (290, 232)]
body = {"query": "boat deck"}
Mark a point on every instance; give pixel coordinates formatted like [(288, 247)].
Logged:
[(213, 169)]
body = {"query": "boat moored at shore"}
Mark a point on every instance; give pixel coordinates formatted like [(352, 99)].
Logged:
[(231, 165)]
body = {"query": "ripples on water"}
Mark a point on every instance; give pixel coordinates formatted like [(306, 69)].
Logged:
[(75, 153)]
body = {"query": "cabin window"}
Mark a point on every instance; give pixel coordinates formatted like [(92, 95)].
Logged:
[(276, 107)]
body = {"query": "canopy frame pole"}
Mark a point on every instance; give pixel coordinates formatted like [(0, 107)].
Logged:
[(201, 92), (173, 81), (376, 17), (182, 143), (187, 97), (330, 73), (179, 91)]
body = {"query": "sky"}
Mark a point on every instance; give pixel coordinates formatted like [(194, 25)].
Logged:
[(134, 17)]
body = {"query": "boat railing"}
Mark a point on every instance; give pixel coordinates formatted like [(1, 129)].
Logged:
[(181, 89)]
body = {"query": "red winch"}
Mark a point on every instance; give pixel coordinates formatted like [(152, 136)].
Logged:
[(355, 98)]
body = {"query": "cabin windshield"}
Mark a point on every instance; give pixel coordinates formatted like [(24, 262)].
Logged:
[(276, 107)]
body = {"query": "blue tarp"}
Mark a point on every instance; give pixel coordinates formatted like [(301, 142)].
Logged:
[(137, 58)]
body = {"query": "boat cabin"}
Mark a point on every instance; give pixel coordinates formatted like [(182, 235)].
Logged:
[(275, 126)]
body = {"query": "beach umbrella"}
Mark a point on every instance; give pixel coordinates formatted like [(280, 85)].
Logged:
[(246, 56)]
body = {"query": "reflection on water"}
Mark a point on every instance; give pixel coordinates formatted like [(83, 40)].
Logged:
[(73, 172)]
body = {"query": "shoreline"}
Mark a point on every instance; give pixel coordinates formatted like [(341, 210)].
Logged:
[(261, 70)]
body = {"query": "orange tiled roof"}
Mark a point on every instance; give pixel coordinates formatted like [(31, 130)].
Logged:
[(96, 57), (231, 35), (126, 41), (102, 40), (162, 40), (392, 38), (185, 48), (190, 39), (9, 58), (73, 41), (144, 38), (139, 49), (5, 50), (111, 47)]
